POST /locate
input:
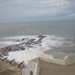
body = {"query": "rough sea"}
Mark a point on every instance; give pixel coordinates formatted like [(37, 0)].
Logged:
[(59, 40)]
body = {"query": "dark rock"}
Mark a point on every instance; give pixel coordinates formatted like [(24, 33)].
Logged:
[(21, 47), (10, 48), (24, 39), (30, 46), (41, 36), (17, 40), (1, 55)]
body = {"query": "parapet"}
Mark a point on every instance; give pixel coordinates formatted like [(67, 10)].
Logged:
[(47, 58), (69, 59)]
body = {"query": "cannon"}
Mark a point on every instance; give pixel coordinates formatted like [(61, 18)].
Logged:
[(12, 61), (4, 59), (21, 64)]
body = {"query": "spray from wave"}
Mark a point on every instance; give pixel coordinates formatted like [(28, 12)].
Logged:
[(23, 48)]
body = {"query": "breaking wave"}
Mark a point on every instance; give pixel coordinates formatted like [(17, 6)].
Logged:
[(28, 47)]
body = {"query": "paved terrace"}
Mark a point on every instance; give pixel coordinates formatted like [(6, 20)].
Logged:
[(7, 69), (54, 69), (46, 69)]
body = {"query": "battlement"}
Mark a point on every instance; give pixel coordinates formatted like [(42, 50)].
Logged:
[(68, 60)]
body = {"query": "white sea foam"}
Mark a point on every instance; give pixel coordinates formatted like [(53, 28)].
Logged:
[(7, 43), (25, 55), (30, 53)]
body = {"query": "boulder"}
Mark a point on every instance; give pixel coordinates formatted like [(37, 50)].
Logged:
[(24, 39)]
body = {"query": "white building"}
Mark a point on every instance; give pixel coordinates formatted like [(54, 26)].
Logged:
[(32, 68)]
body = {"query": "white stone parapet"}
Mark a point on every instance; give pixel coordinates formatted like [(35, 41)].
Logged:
[(69, 59), (47, 58)]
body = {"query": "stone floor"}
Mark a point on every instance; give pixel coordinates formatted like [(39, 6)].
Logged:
[(54, 69), (46, 69), (7, 69)]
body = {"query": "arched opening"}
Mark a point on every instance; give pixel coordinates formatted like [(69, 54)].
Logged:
[(70, 57), (31, 73)]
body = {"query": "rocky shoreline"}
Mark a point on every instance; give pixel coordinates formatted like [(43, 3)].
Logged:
[(21, 46)]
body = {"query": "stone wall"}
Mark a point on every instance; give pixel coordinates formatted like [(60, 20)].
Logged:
[(69, 59), (47, 58)]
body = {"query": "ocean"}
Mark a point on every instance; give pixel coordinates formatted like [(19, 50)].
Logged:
[(59, 41), (65, 29)]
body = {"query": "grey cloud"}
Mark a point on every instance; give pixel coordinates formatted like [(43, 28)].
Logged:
[(36, 10)]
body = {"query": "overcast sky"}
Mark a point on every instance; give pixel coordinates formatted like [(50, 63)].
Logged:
[(16, 11)]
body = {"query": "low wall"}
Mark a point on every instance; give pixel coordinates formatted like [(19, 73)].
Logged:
[(69, 59), (47, 58)]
